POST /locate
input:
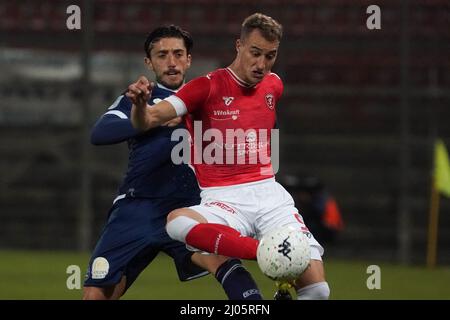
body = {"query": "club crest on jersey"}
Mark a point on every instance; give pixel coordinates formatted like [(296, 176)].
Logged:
[(270, 101), (228, 100)]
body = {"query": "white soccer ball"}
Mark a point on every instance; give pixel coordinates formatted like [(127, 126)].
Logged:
[(284, 254)]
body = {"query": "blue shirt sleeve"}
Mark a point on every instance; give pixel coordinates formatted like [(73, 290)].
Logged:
[(114, 126)]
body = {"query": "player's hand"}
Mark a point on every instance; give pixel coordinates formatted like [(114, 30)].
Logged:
[(172, 123), (140, 91)]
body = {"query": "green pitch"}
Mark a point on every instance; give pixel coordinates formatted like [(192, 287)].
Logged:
[(42, 275)]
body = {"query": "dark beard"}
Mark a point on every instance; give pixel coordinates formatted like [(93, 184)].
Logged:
[(168, 86)]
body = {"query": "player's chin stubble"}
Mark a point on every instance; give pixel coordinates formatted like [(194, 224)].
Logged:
[(171, 85)]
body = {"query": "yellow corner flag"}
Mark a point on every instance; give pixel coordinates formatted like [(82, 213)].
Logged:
[(440, 184), (441, 168)]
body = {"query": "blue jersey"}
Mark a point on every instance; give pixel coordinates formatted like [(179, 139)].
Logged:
[(151, 172)]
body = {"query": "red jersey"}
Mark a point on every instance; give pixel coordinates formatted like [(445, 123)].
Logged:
[(230, 124)]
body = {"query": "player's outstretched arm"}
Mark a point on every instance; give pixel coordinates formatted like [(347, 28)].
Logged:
[(144, 117), (111, 129)]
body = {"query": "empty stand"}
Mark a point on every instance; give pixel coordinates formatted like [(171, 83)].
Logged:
[(339, 116)]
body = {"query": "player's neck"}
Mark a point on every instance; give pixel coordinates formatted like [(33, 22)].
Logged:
[(234, 68), (169, 89)]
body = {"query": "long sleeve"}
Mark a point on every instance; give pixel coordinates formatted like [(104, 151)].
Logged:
[(114, 126), (111, 129)]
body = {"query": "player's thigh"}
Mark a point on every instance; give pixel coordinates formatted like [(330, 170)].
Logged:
[(140, 261), (186, 212), (277, 209), (313, 274), (223, 213), (280, 211)]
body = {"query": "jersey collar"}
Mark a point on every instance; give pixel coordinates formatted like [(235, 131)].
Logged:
[(159, 85), (241, 82)]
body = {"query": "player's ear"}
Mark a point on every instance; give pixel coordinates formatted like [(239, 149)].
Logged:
[(148, 63), (238, 45), (189, 60)]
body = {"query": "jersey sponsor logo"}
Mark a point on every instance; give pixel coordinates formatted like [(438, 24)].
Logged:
[(221, 205), (228, 100), (225, 114), (234, 146), (100, 268), (270, 102)]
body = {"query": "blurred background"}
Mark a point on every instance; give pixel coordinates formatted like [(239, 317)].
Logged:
[(360, 113)]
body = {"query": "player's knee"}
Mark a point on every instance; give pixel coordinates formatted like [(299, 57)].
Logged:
[(315, 291), (179, 226), (174, 214), (209, 262)]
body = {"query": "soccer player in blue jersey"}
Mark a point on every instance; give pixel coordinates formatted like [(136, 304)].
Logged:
[(153, 186)]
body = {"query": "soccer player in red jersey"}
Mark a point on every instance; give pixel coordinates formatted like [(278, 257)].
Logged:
[(234, 109)]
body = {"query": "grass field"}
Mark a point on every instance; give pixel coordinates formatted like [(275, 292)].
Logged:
[(42, 275)]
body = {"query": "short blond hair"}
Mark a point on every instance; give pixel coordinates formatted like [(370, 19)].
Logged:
[(270, 29)]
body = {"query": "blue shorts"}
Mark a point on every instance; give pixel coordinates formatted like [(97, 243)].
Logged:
[(133, 236)]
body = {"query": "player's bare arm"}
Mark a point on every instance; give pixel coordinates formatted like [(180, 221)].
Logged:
[(144, 117), (173, 122)]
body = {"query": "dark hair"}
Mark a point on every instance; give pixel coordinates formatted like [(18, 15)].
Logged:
[(170, 31), (270, 29)]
